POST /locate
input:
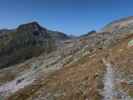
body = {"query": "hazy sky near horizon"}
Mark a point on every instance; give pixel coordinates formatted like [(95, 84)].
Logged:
[(70, 16)]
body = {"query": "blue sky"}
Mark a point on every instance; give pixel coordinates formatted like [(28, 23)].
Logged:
[(70, 16)]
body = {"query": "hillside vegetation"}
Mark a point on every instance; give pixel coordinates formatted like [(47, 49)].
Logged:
[(94, 66)]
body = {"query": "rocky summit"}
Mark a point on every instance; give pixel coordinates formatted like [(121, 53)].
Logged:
[(40, 64)]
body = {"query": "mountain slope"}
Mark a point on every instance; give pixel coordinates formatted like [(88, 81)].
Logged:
[(95, 66), (84, 78), (58, 35), (124, 25), (26, 41)]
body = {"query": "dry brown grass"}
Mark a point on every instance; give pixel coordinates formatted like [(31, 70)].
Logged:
[(79, 81)]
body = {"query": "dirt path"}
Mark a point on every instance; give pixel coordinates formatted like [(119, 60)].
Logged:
[(108, 81), (110, 92)]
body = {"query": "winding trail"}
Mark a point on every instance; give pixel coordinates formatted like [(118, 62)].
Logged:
[(110, 92), (108, 82)]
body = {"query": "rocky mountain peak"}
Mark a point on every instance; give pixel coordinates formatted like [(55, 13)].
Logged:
[(30, 26)]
